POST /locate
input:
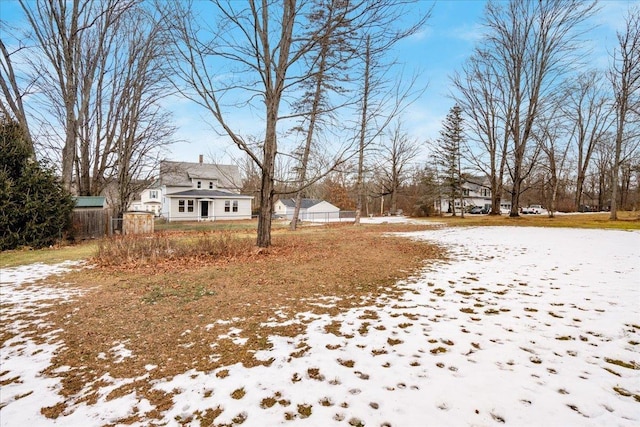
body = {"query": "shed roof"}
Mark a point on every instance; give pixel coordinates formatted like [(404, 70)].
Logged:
[(304, 204), (90, 201)]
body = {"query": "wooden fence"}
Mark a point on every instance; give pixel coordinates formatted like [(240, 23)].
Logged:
[(91, 223)]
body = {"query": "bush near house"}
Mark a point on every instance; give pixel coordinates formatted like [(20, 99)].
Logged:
[(34, 207)]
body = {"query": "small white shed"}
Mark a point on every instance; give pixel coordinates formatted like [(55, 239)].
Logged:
[(310, 210)]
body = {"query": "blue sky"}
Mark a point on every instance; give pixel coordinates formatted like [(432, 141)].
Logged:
[(438, 51)]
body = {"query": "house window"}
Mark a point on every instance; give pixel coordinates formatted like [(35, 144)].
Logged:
[(465, 191), (199, 184), (180, 205), (210, 185), (235, 206), (227, 206), (153, 194), (189, 205)]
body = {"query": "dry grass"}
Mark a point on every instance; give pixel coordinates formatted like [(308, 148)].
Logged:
[(159, 248), (171, 312)]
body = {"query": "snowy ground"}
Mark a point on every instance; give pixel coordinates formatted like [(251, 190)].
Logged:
[(525, 326)]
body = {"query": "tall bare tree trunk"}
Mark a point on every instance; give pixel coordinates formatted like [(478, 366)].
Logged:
[(313, 117), (266, 191), (363, 130)]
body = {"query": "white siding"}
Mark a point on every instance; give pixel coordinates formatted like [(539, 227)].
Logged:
[(176, 215), (244, 209), (150, 196), (322, 211), (282, 209), (216, 209)]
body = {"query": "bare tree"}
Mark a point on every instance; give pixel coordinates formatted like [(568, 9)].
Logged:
[(586, 110), (530, 44), (482, 97), (257, 42), (142, 128), (603, 161), (380, 100), (327, 64), (553, 139), (363, 140), (625, 80), (397, 152), (72, 37)]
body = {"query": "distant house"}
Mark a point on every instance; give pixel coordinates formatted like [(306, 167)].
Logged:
[(476, 191), (202, 192), (310, 210), (150, 200)]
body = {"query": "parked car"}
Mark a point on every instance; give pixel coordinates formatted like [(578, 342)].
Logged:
[(476, 210), (532, 209)]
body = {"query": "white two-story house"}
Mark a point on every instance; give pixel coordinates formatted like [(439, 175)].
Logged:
[(150, 200), (476, 191), (202, 192)]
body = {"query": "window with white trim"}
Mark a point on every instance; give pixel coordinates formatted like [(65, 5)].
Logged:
[(235, 206), (227, 206), (199, 184), (189, 205), (153, 194), (181, 205), (210, 185)]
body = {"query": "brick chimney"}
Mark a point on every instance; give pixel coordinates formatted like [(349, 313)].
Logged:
[(200, 158)]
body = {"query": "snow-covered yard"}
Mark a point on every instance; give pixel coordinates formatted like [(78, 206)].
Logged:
[(535, 326)]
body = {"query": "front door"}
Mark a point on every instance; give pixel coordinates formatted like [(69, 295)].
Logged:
[(204, 210)]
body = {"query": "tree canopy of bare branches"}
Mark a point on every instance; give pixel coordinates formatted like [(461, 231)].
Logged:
[(99, 80), (520, 60)]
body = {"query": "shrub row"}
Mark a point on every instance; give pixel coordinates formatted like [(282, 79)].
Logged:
[(144, 250)]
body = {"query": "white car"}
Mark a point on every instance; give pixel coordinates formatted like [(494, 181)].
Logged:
[(532, 209)]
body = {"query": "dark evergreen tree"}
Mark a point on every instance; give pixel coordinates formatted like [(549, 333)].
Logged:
[(448, 156), (35, 210)]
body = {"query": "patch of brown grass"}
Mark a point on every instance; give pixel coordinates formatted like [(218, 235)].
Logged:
[(626, 220), (162, 248), (171, 312)]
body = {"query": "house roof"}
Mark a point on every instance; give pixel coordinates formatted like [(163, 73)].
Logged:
[(480, 181), (212, 194), (181, 174), (90, 201), (305, 203)]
